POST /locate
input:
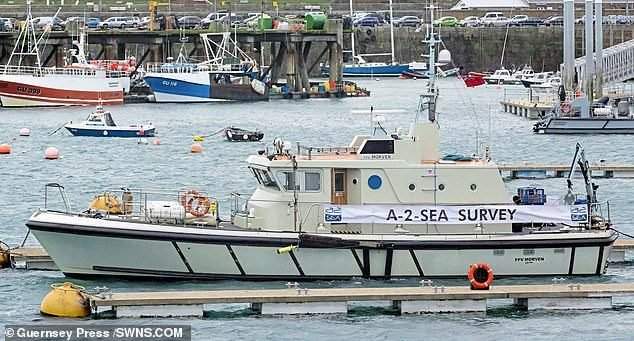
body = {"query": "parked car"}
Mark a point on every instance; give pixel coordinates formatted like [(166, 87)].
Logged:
[(189, 22), (471, 21), (55, 23), (73, 21), (490, 18), (380, 17), (367, 22), (554, 21), (497, 22), (407, 21), (6, 24), (524, 20), (446, 22), (115, 22), (213, 16), (133, 21)]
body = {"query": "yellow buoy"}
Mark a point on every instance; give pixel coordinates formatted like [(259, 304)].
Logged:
[(65, 300), (106, 202), (199, 138)]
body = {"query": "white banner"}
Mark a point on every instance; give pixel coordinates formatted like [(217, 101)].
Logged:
[(422, 214)]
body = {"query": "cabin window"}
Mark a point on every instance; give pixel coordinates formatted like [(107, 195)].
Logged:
[(378, 147), (265, 178), (304, 180), (287, 180), (312, 181)]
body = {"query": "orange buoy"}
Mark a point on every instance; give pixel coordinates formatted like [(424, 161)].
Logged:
[(25, 132), (51, 153), (156, 142), (197, 148), (480, 276), (5, 149)]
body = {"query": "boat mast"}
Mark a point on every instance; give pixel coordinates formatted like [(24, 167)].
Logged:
[(352, 32), (26, 37), (391, 31), (427, 101)]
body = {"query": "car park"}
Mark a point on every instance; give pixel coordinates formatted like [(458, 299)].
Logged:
[(189, 22), (407, 21), (446, 22), (470, 21)]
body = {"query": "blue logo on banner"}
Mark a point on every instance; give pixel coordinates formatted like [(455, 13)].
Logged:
[(579, 213), (332, 214)]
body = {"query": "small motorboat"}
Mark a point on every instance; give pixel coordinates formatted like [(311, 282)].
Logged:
[(100, 124), (411, 74), (235, 134)]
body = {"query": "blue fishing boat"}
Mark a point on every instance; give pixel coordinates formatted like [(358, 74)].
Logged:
[(228, 74), (374, 70), (100, 124)]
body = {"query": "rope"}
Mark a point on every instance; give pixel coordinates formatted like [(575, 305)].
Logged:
[(621, 232), (216, 133)]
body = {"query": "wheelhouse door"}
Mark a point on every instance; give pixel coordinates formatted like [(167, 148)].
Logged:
[(339, 195)]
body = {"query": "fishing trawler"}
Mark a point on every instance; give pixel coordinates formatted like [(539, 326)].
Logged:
[(384, 206), (26, 82), (228, 74)]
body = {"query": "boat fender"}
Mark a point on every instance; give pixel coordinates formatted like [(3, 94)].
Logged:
[(4, 255), (480, 276), (286, 249), (66, 300), (562, 93)]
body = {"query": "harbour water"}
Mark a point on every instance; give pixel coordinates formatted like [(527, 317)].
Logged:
[(468, 118)]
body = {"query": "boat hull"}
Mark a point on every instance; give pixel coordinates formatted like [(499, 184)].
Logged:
[(111, 248), (585, 126), (58, 90), (111, 132), (198, 88), (371, 70)]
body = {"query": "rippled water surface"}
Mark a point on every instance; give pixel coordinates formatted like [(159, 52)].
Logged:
[(468, 117)]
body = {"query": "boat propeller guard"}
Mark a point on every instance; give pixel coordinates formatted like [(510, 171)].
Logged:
[(480, 276)]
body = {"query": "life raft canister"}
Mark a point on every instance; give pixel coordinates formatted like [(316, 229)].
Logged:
[(480, 276)]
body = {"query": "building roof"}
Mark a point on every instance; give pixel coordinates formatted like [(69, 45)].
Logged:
[(474, 4)]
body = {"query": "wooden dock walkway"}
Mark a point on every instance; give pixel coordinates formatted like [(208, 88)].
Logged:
[(424, 299), (537, 171)]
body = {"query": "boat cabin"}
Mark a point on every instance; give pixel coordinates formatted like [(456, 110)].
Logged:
[(100, 118), (294, 188)]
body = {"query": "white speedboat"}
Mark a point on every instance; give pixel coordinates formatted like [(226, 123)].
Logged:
[(525, 73), (552, 82), (383, 206), (502, 76), (538, 78), (100, 124)]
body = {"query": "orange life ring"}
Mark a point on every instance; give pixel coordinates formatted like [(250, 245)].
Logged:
[(184, 198), (198, 206), (565, 107), (480, 276)]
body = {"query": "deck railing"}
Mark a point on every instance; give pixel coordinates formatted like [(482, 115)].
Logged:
[(65, 71)]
